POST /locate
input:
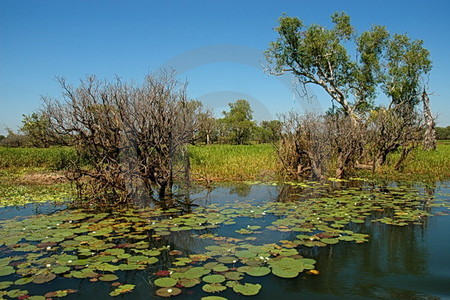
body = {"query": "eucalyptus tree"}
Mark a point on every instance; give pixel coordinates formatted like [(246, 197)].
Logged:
[(239, 122), (392, 64)]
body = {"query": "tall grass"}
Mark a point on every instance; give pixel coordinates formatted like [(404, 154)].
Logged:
[(53, 158), (419, 165), (233, 162), (242, 162)]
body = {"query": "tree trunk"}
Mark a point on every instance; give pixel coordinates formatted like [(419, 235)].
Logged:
[(429, 142)]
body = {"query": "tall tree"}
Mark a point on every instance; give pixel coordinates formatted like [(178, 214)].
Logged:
[(239, 122), (36, 128), (317, 55), (395, 65)]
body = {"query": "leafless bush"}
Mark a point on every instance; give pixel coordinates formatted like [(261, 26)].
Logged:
[(304, 148), (389, 130), (133, 135)]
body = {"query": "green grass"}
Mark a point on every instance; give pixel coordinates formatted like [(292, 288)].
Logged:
[(420, 165), (52, 158), (233, 162)]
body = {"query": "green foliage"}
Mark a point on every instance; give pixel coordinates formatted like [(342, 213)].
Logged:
[(36, 128), (268, 131), (443, 133), (318, 55), (238, 122)]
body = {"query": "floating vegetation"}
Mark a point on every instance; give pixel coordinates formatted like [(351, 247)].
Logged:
[(104, 247)]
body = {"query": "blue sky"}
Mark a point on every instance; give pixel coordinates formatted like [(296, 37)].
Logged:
[(215, 45)]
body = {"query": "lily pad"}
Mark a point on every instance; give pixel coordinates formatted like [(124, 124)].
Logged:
[(165, 282), (168, 292), (43, 277), (108, 277), (7, 270), (258, 271), (126, 288), (247, 289), (213, 288), (214, 278)]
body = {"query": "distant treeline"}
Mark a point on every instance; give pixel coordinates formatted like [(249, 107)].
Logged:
[(443, 133)]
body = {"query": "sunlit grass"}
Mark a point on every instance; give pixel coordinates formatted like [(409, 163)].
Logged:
[(52, 158), (420, 165), (233, 162)]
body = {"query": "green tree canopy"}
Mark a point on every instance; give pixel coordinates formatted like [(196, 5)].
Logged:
[(239, 122), (320, 56)]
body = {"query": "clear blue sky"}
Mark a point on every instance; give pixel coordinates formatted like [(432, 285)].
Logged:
[(216, 45)]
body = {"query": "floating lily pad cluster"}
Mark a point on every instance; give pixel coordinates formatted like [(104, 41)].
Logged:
[(102, 247)]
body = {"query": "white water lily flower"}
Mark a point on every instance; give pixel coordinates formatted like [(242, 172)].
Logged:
[(57, 224), (169, 290), (69, 261), (234, 261), (48, 265), (49, 248), (251, 211), (261, 257)]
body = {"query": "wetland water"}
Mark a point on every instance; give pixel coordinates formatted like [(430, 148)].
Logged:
[(291, 241)]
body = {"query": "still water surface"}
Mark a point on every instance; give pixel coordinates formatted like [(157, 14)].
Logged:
[(398, 262)]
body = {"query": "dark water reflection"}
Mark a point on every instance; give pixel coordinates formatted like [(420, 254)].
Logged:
[(409, 262)]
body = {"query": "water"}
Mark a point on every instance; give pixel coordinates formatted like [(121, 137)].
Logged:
[(397, 262)]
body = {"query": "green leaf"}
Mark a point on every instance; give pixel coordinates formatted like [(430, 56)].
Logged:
[(214, 278), (247, 289), (214, 288), (165, 282)]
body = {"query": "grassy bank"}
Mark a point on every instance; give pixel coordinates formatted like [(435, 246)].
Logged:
[(420, 165), (51, 158), (233, 162)]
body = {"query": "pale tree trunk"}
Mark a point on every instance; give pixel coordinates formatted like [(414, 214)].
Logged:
[(429, 142)]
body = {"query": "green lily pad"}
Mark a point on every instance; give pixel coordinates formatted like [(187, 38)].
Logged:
[(234, 275), (43, 277), (7, 270), (213, 288), (121, 289), (108, 277), (258, 271), (5, 284), (16, 293), (24, 280), (196, 272), (285, 273), (214, 278), (329, 241), (188, 282), (247, 289), (165, 282), (168, 292)]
